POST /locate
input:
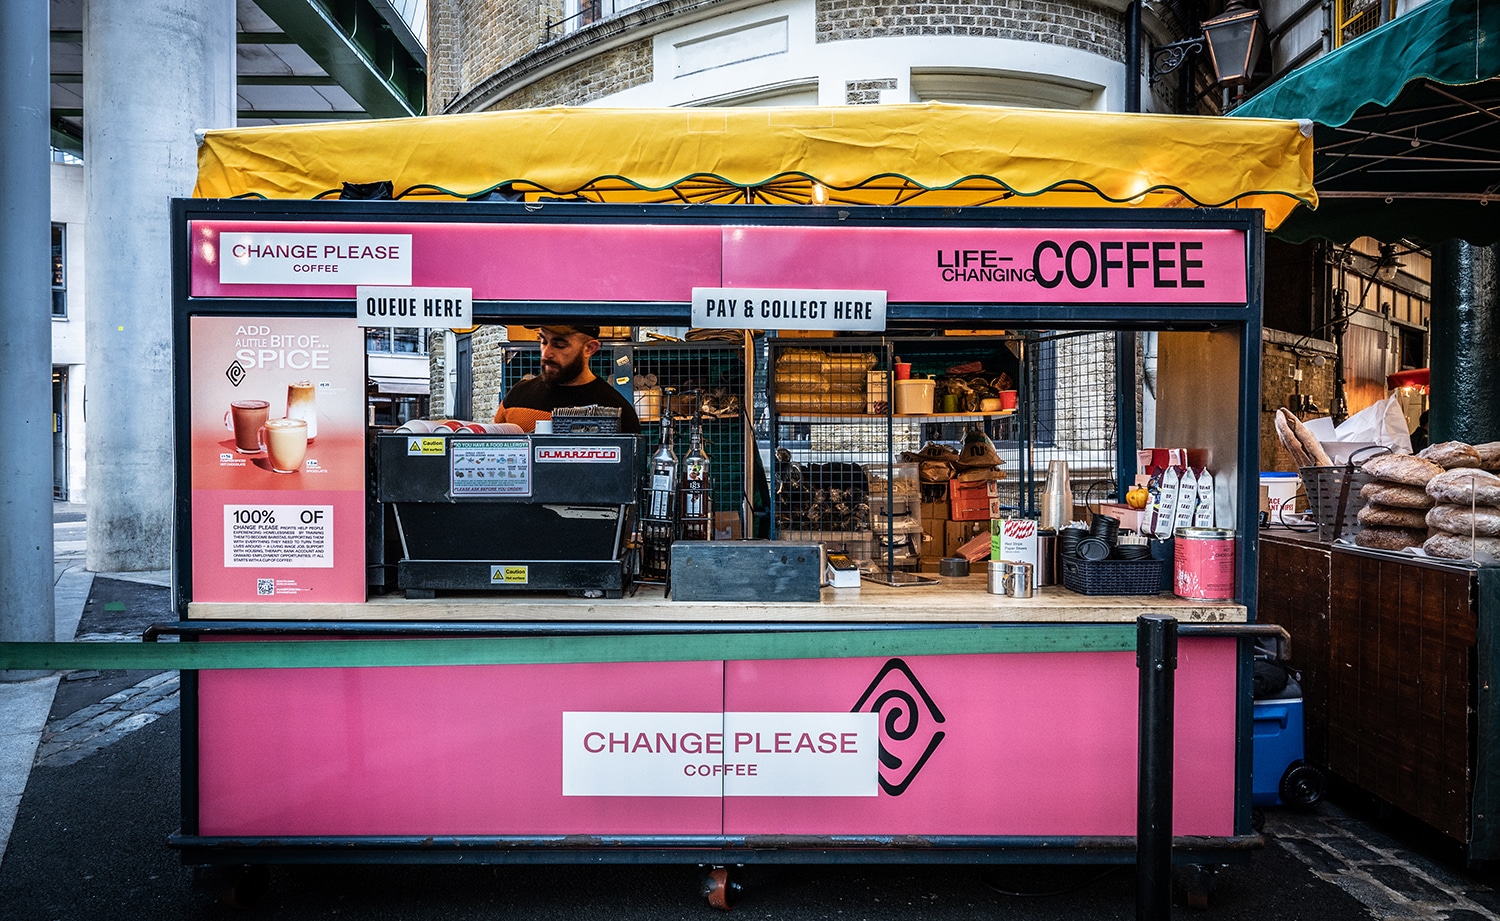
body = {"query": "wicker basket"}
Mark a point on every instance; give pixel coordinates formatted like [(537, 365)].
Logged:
[(1113, 577), (1334, 500)]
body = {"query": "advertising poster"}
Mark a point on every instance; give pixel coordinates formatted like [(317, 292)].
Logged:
[(278, 459)]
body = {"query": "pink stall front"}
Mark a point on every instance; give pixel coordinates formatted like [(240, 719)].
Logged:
[(899, 615)]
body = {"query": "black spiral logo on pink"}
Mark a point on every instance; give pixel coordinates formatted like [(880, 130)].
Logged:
[(908, 718)]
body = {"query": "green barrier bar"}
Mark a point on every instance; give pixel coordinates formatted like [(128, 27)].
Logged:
[(530, 650)]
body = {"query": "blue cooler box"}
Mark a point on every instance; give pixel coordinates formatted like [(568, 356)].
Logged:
[(1277, 743)]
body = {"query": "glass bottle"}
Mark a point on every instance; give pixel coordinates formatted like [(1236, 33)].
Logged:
[(659, 511), (695, 500)]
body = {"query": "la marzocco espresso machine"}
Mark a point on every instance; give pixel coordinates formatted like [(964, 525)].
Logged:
[(510, 512)]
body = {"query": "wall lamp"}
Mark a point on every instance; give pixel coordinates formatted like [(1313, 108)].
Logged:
[(1234, 40)]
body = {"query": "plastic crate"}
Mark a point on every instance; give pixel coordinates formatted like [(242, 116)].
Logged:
[(1334, 500), (1112, 577)]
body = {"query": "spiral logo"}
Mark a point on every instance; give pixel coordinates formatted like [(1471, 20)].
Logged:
[(908, 724)]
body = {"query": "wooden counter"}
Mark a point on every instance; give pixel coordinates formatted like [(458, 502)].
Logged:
[(1396, 654), (950, 600)]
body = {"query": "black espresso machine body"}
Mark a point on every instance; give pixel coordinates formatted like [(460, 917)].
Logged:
[(510, 513)]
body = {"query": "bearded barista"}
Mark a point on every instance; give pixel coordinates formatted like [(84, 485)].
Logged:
[(565, 381)]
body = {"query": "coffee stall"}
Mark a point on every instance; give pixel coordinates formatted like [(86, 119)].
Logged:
[(627, 722)]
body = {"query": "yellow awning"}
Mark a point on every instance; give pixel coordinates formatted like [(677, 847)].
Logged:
[(920, 154)]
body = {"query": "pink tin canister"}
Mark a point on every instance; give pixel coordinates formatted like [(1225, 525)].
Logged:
[(1205, 564)]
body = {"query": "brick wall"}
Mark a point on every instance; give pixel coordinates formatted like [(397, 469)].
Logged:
[(469, 40), (866, 92), (1055, 22), (1276, 385), (489, 344), (597, 76)]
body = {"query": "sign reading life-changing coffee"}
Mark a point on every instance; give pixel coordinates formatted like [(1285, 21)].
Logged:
[(788, 308)]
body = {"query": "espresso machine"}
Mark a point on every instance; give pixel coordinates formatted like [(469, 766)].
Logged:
[(510, 513)]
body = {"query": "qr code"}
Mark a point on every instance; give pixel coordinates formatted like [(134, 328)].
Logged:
[(265, 586)]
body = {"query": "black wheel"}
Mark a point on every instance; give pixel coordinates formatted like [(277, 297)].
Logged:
[(1196, 883), (234, 886), (1303, 786), (1258, 819)]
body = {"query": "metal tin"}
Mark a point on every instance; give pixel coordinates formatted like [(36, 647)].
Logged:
[(1046, 558), (1204, 564), (997, 572), (953, 566), (1019, 582)]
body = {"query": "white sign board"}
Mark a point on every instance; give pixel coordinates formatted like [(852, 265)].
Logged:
[(426, 308), (720, 754), (788, 308), (256, 258)]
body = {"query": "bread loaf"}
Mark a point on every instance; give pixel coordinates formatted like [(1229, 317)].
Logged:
[(1451, 454), (1465, 486), (1310, 444), (1397, 495), (1387, 516), (1289, 439), (1464, 521), (1453, 547), (1401, 468), (1390, 538), (1489, 455)]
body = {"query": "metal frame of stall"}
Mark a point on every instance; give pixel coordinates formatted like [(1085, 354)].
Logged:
[(1241, 320)]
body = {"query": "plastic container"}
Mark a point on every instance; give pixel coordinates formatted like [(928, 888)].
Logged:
[(1281, 489), (914, 396)]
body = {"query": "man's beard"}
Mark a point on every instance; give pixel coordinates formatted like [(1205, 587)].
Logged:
[(562, 374)]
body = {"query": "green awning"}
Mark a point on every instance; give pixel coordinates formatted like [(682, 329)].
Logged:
[(1407, 128)]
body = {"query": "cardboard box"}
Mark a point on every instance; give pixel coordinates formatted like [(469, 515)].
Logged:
[(935, 511), (958, 533), (1155, 460), (977, 501), (1129, 518)]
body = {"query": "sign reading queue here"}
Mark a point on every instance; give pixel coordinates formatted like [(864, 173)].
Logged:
[(1158, 265)]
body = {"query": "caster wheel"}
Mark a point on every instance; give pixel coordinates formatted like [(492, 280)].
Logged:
[(1302, 786), (721, 891), (235, 887), (1196, 883)]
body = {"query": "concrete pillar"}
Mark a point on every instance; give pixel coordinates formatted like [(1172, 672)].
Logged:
[(25, 317), (153, 71), (1465, 356)]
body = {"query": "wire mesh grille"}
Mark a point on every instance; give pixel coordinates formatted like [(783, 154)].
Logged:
[(852, 462), (1072, 406)]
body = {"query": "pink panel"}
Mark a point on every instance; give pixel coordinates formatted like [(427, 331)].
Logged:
[(997, 265), (343, 582), (562, 262), (428, 751), (1032, 744)]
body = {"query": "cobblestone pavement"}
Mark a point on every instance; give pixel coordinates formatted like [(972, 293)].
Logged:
[(1385, 874), (83, 732)]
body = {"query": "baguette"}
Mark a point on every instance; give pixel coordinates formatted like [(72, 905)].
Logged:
[(1289, 439), (1310, 443)]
